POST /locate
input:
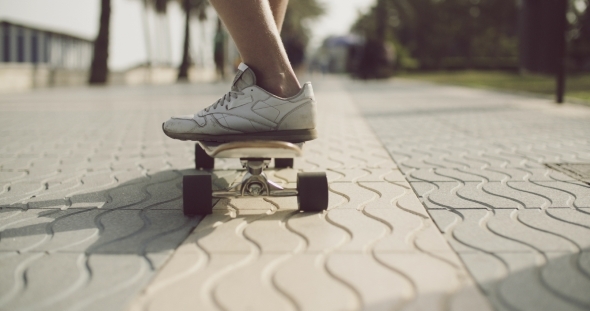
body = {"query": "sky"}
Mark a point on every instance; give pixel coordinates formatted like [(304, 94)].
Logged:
[(80, 18)]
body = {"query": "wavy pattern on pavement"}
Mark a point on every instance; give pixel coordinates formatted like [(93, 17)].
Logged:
[(478, 168), (362, 253)]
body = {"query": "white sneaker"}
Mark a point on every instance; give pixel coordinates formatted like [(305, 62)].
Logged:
[(248, 112)]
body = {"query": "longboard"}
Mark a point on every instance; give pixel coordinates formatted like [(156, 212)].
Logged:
[(311, 191), (252, 149)]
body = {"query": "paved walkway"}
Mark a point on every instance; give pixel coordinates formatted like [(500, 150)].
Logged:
[(90, 206), (477, 161)]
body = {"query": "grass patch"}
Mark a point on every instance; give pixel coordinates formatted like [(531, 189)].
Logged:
[(577, 86)]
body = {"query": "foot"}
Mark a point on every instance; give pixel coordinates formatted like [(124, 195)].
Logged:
[(248, 112)]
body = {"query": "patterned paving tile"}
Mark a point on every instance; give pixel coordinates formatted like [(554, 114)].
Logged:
[(476, 159), (369, 250)]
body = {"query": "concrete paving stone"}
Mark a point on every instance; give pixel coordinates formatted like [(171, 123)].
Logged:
[(17, 163), (290, 204), (506, 223), (404, 232), (159, 192), (468, 230), (9, 212), (304, 165), (13, 265), (579, 190), (242, 207), (8, 176), (398, 194), (571, 225), (392, 175), (134, 194), (348, 175), (281, 241), (180, 162), (261, 293), (357, 196), (515, 192), (319, 233), (114, 279), (442, 195), (72, 274), (498, 195), (439, 175), (56, 196), (336, 198), (554, 192), (140, 232), (436, 285), (68, 231), (328, 292), (218, 233), (562, 275), (288, 175), (131, 176), (126, 164), (153, 165), (513, 277), (194, 285), (18, 192), (545, 174), (363, 230), (377, 286), (478, 192)]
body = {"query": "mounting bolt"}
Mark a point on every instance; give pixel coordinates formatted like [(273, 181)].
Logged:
[(255, 189)]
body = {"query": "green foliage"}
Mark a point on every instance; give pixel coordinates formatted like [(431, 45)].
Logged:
[(295, 32), (435, 31), (578, 86), (299, 13), (579, 49)]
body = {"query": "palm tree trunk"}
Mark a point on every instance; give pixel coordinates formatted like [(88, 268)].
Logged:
[(147, 33), (99, 68), (185, 64)]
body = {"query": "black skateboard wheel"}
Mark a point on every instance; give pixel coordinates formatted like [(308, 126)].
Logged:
[(312, 191), (197, 195), (283, 162), (202, 159)]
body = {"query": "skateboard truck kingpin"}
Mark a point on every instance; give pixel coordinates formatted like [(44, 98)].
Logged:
[(255, 156), (255, 183)]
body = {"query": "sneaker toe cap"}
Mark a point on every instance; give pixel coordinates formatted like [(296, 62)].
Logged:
[(183, 124)]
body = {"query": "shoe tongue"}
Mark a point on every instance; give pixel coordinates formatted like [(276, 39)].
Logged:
[(244, 78)]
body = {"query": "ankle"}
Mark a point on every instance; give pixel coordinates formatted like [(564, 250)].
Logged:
[(280, 87), (282, 84)]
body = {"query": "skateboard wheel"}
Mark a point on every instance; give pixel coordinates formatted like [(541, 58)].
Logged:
[(312, 191), (202, 159), (283, 162), (197, 195)]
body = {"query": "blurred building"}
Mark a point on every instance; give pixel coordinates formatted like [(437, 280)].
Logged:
[(336, 55), (33, 57)]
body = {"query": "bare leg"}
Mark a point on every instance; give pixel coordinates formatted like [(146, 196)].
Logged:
[(279, 8), (254, 29)]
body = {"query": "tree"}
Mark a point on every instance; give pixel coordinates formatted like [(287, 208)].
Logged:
[(448, 34), (99, 68), (190, 7), (160, 7), (295, 33)]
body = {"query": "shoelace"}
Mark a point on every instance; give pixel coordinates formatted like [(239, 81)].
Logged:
[(228, 96)]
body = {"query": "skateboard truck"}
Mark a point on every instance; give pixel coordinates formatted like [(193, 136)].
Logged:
[(255, 183), (311, 191)]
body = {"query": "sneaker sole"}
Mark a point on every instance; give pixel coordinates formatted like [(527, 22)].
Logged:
[(292, 136)]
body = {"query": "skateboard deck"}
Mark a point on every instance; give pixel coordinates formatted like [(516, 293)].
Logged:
[(252, 149)]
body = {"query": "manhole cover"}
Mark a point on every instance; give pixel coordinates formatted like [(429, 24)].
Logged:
[(579, 171)]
